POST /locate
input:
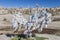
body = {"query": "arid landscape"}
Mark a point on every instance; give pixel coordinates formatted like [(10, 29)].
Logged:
[(53, 30)]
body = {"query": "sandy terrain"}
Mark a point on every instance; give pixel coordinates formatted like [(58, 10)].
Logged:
[(50, 37), (7, 25), (8, 17)]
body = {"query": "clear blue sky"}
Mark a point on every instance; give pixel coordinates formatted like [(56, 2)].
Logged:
[(31, 3)]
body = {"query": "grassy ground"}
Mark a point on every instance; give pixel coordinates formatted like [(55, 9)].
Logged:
[(32, 38)]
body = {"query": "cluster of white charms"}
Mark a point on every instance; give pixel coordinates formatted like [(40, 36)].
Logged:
[(38, 20)]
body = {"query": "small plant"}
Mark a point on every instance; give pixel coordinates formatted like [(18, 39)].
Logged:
[(36, 38), (15, 38)]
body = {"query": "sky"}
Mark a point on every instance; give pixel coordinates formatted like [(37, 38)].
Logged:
[(29, 3)]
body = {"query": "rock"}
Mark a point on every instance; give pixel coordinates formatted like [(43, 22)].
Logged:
[(4, 37)]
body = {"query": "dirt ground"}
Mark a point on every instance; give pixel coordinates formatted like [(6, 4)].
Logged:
[(53, 28)]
